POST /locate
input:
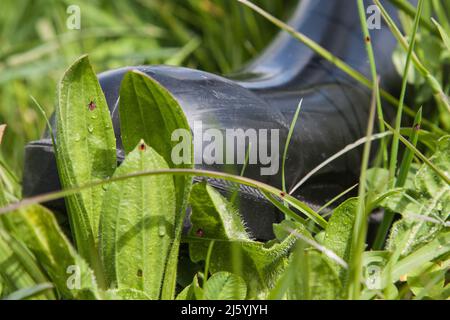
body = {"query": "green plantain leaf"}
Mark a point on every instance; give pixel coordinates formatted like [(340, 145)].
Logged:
[(339, 231), (225, 286), (137, 224), (425, 210), (86, 150), (38, 229), (213, 217), (19, 268), (147, 110)]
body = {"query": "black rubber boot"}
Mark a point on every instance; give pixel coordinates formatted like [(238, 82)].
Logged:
[(265, 95)]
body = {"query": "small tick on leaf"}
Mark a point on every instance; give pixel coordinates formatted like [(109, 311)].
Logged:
[(199, 233), (142, 147), (282, 194), (367, 39), (92, 105)]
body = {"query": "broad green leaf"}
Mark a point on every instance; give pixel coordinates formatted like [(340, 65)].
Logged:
[(38, 229), (86, 150), (311, 277), (425, 209), (213, 217), (339, 231), (148, 111), (225, 286), (137, 224), (19, 268)]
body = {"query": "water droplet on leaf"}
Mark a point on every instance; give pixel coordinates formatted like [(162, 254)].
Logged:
[(162, 230)]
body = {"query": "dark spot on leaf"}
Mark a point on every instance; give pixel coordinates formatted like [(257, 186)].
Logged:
[(367, 39), (282, 194), (416, 127), (92, 105), (199, 233), (139, 273), (142, 147)]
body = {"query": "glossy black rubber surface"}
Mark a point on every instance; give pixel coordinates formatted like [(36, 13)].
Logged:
[(265, 95)]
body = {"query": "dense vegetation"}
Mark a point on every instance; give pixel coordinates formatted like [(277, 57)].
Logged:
[(126, 221)]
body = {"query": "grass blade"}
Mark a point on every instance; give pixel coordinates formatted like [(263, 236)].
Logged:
[(401, 179), (398, 120), (28, 293), (389, 216), (360, 227), (408, 156), (302, 207), (286, 146), (373, 70), (410, 10), (338, 154)]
